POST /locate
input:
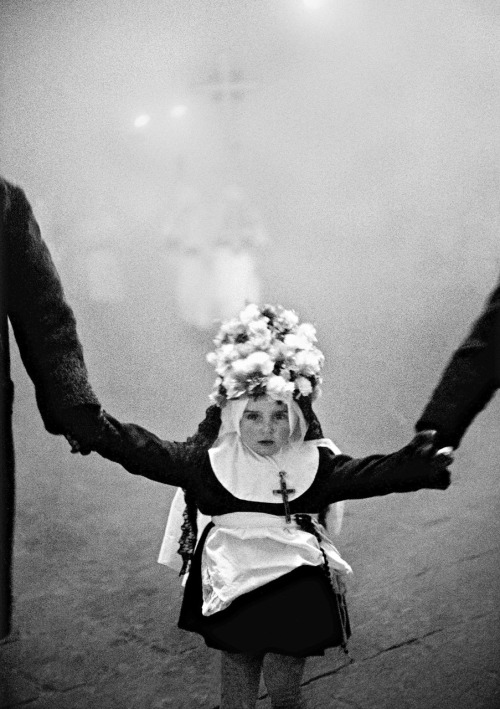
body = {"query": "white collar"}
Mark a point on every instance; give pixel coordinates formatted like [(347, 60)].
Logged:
[(252, 477)]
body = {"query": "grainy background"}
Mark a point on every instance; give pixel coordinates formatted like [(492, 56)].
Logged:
[(368, 144)]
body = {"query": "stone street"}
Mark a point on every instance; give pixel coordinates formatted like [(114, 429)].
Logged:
[(95, 620)]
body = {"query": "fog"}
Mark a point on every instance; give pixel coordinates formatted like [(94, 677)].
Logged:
[(363, 148), (367, 144)]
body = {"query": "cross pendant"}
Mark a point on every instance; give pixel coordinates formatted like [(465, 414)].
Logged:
[(284, 491)]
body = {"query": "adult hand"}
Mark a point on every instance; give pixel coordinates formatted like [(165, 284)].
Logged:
[(423, 450), (84, 427), (424, 445)]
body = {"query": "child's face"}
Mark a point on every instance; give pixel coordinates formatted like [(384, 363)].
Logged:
[(264, 425)]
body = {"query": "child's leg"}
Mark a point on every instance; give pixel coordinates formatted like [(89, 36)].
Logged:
[(283, 675), (240, 676)]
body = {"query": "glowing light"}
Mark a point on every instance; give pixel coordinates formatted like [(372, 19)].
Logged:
[(312, 4), (178, 111), (142, 120)]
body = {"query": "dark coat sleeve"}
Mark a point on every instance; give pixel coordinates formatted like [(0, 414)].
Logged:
[(403, 471), (340, 477), (470, 379), (141, 452), (43, 323)]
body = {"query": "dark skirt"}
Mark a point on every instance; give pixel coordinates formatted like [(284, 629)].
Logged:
[(297, 614)]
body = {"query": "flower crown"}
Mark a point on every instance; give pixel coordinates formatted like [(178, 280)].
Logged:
[(266, 351)]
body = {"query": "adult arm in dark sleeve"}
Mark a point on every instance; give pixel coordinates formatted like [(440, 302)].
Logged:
[(44, 325), (469, 381), (414, 467)]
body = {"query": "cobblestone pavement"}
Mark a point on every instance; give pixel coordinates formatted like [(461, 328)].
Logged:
[(95, 621)]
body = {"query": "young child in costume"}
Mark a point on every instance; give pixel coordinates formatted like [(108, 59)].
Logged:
[(266, 583)]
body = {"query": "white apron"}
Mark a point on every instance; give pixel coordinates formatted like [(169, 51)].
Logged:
[(246, 550)]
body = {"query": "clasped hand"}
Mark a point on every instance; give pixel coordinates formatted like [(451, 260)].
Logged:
[(75, 446), (423, 445), (84, 429), (423, 448)]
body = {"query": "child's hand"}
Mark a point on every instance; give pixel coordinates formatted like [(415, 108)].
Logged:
[(423, 446), (75, 446), (84, 427)]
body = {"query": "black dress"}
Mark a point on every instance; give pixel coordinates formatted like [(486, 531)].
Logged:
[(299, 613)]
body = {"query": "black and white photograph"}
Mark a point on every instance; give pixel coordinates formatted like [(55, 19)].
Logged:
[(250, 354)]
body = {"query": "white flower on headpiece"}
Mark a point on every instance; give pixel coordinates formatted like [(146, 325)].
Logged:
[(229, 330), (299, 340), (251, 312), (222, 359), (289, 319), (308, 331), (265, 350), (308, 362), (304, 386), (212, 359), (233, 388), (244, 349), (294, 342), (278, 388), (256, 362), (259, 334), (227, 353), (216, 397)]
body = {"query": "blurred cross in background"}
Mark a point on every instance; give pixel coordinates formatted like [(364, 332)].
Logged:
[(226, 87), (217, 234)]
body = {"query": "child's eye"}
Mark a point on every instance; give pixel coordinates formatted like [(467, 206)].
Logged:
[(251, 416), (281, 415)]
